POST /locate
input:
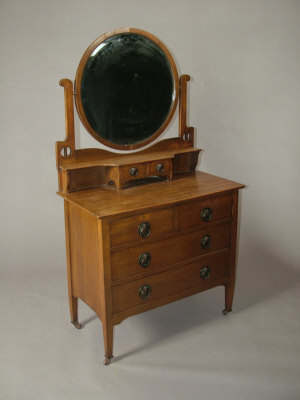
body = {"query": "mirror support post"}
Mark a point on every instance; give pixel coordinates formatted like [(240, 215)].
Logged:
[(186, 133), (66, 148)]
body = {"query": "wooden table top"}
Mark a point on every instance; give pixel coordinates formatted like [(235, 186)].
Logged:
[(106, 201)]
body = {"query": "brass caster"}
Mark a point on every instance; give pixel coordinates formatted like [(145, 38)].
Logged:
[(76, 324), (225, 312), (106, 360)]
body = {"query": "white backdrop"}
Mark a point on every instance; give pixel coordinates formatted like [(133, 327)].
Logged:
[(244, 60)]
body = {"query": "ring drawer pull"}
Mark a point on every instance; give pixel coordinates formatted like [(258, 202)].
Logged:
[(144, 230), (133, 171), (206, 214), (145, 260), (160, 168), (206, 242), (145, 291), (205, 273)]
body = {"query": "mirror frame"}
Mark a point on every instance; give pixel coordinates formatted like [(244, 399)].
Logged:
[(79, 75)]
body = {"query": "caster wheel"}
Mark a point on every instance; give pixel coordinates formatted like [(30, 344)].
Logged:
[(76, 324), (106, 361), (225, 312)]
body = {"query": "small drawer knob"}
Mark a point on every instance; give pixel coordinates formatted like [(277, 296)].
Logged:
[(145, 291), (205, 273), (160, 168), (206, 242), (145, 260), (206, 214), (133, 171), (144, 230)]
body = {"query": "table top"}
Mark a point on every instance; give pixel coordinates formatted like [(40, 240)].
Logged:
[(107, 201)]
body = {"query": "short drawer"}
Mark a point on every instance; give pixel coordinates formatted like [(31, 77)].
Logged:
[(141, 227), (158, 287), (197, 212), (160, 168), (152, 257), (135, 171)]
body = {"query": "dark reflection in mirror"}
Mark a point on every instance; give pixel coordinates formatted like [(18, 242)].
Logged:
[(127, 89)]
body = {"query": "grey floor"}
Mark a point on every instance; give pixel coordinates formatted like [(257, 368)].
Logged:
[(186, 350)]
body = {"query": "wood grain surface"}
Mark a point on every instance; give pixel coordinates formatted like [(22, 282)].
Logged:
[(106, 202)]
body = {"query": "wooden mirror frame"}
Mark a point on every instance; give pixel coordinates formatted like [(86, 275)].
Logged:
[(78, 79)]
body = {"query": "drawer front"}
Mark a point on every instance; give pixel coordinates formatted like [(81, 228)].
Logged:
[(200, 274), (158, 255), (191, 214), (160, 168), (135, 171), (142, 227)]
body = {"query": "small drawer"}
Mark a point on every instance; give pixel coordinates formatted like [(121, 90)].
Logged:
[(141, 227), (156, 256), (160, 168), (134, 171), (193, 213), (158, 287)]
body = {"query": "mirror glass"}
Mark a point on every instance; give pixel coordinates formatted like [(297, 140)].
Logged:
[(127, 90)]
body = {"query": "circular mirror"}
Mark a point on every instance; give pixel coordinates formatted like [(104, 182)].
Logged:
[(126, 88)]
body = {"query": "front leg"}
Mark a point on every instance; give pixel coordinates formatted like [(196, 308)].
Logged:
[(73, 303), (229, 291), (108, 341)]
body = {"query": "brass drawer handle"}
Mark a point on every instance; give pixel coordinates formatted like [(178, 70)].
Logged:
[(205, 273), (206, 242), (144, 230), (206, 214), (145, 291), (160, 168), (145, 260), (133, 171)]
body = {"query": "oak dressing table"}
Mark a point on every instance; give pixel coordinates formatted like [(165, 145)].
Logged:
[(143, 228)]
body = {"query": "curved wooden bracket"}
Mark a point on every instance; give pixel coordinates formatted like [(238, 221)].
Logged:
[(65, 149), (186, 133)]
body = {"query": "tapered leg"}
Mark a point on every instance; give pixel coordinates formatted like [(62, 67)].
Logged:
[(229, 290), (108, 332), (73, 303)]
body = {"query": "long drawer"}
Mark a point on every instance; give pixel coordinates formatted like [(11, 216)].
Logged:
[(158, 287), (155, 256)]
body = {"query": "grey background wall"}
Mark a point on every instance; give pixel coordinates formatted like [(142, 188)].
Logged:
[(244, 60)]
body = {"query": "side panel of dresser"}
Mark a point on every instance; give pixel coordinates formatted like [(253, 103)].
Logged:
[(88, 262)]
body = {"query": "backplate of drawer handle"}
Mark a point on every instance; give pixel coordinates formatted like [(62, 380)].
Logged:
[(206, 242), (206, 214), (160, 168), (205, 272), (145, 260), (133, 171), (144, 230), (145, 291)]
